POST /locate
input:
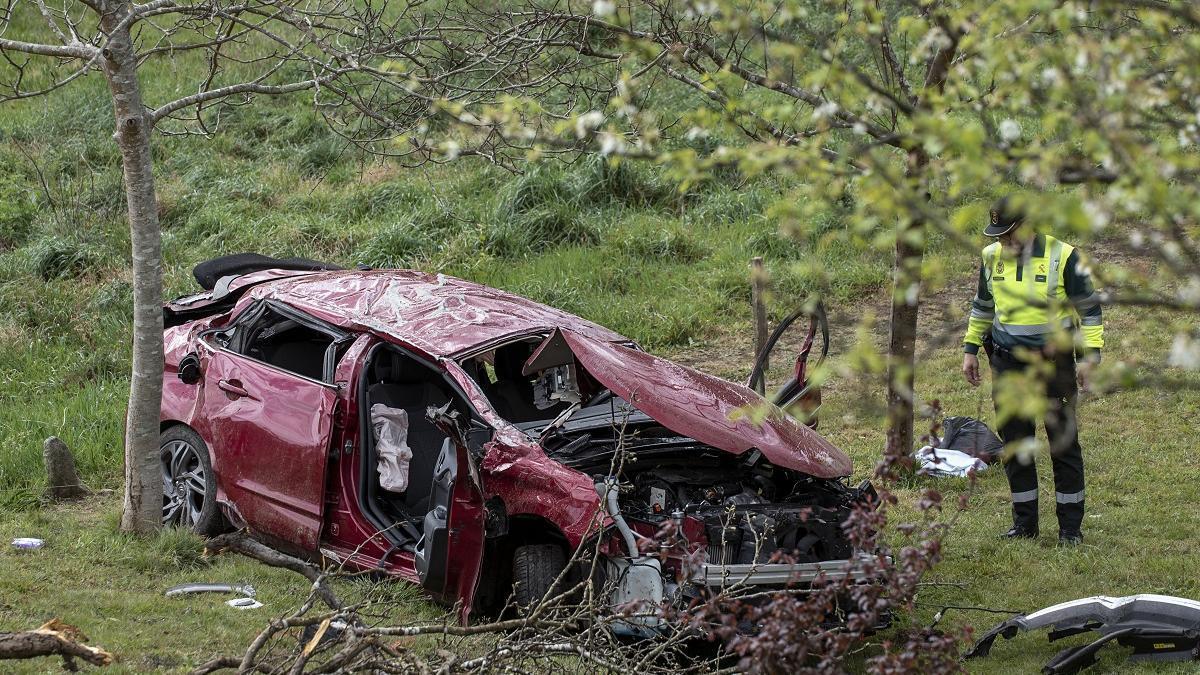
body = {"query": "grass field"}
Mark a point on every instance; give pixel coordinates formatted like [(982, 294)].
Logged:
[(618, 245)]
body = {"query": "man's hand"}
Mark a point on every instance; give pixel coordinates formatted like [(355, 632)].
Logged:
[(971, 369)]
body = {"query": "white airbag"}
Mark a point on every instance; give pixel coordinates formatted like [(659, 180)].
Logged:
[(391, 445)]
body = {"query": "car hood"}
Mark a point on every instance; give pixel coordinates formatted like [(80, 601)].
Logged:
[(713, 411)]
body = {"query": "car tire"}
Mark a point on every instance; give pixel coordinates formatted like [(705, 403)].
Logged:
[(536, 568), (189, 482)]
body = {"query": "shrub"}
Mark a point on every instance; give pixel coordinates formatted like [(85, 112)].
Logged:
[(538, 229), (594, 180), (671, 244), (320, 156), (56, 258), (396, 245), (18, 206)]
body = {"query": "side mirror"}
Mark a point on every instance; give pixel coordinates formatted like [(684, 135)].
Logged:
[(189, 369)]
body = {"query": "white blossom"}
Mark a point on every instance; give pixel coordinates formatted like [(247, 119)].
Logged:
[(451, 149), (860, 128), (1185, 352), (1010, 130), (611, 143), (1189, 293), (696, 133), (825, 110), (604, 7), (1096, 214), (587, 122), (1081, 62)]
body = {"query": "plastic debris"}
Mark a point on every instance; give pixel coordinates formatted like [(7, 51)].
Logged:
[(182, 589), (946, 462), (244, 603), (27, 543)]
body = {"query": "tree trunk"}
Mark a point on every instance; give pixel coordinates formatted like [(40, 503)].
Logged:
[(906, 302), (142, 511), (902, 341)]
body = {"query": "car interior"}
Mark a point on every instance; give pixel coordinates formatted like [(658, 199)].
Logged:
[(290, 344), (516, 397), (397, 380)]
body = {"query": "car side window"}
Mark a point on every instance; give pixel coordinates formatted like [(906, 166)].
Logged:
[(289, 341)]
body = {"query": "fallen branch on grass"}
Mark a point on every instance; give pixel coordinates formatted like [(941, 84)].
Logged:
[(52, 638), (240, 542)]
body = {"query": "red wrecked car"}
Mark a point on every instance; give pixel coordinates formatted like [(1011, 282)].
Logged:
[(469, 440)]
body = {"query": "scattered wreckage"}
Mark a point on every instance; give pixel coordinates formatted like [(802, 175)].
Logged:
[(434, 428), (1157, 627)]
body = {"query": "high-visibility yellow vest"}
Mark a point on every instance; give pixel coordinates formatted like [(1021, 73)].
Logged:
[(1030, 296)]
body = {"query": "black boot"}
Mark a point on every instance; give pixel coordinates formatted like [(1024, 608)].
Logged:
[(1070, 539), (1020, 532)]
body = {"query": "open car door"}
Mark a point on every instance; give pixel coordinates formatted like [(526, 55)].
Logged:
[(450, 552), (797, 394)]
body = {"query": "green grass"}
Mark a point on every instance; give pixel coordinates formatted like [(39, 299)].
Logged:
[(111, 586)]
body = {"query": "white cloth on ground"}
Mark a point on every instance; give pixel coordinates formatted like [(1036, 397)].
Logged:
[(945, 462)]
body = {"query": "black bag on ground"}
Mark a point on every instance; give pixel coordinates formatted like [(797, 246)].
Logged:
[(969, 435)]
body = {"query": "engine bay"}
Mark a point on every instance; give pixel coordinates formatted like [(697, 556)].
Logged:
[(748, 510)]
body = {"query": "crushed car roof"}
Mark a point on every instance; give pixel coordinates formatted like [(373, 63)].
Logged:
[(441, 314)]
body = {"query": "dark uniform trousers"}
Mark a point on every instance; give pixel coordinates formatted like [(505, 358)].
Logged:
[(1062, 430)]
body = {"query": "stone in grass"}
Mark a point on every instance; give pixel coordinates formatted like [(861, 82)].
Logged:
[(61, 477)]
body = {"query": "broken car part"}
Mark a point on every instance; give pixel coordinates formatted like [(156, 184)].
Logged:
[(1157, 627), (797, 387), (184, 589), (243, 603), (638, 578)]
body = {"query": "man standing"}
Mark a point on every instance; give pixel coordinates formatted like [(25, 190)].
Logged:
[(1033, 293)]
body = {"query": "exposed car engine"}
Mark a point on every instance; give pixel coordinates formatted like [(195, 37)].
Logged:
[(750, 509)]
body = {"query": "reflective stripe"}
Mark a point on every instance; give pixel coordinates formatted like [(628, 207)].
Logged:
[(1026, 496), (1052, 278), (1035, 329), (1091, 321), (1086, 301), (980, 302), (1069, 497), (980, 314)]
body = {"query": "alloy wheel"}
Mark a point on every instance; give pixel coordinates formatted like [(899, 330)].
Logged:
[(184, 484)]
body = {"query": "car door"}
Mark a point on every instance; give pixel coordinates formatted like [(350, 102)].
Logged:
[(272, 429), (450, 552)]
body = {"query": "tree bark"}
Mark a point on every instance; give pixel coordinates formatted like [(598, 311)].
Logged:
[(142, 510), (906, 282), (902, 340), (53, 637)]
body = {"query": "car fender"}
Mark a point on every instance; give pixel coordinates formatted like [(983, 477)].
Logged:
[(530, 483)]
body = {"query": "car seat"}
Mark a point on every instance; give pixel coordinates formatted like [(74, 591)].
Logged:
[(512, 392)]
